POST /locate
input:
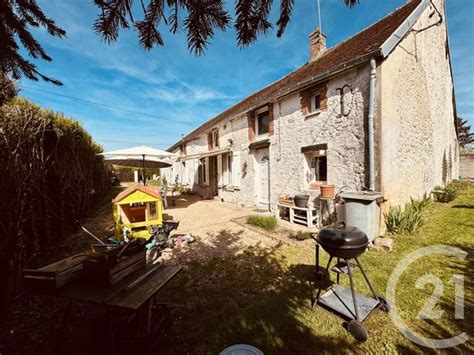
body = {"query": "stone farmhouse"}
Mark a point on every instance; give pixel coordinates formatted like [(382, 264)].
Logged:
[(376, 112)]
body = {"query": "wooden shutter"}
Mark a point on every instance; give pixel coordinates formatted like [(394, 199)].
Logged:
[(209, 141), (236, 169)]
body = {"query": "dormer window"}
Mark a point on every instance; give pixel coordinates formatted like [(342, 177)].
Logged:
[(262, 124)]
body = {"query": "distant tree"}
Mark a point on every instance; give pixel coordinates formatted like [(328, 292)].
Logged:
[(16, 19), (8, 89), (202, 18), (465, 136), (200, 21)]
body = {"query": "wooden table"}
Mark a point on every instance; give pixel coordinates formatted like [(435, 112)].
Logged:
[(127, 294)]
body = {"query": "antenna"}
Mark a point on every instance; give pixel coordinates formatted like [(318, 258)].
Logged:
[(319, 18)]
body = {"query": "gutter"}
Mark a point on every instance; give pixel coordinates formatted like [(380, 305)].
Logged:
[(370, 124)]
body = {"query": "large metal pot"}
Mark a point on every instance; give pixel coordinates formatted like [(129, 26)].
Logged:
[(301, 200), (343, 241)]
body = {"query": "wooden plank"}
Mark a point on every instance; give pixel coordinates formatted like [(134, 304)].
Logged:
[(314, 148), (296, 207), (65, 263), (94, 293), (137, 296), (117, 276)]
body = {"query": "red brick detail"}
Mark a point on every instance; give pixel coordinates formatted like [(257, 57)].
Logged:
[(251, 125), (307, 94), (270, 116)]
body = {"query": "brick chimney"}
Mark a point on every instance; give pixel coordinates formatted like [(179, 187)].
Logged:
[(317, 44)]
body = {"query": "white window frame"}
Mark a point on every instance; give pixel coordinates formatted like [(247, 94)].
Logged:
[(264, 135), (313, 108), (202, 173), (310, 157)]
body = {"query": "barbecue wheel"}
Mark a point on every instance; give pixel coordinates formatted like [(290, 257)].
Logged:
[(357, 330), (383, 304)]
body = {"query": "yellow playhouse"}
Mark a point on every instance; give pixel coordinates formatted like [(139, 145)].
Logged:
[(138, 208)]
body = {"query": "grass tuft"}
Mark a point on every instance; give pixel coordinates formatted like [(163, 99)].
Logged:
[(268, 223)]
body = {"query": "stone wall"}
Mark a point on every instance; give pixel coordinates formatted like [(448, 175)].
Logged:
[(418, 148), (343, 132)]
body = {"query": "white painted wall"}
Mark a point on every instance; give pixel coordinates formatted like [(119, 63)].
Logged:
[(418, 138)]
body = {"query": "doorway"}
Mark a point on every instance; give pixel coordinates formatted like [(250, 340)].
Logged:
[(262, 158)]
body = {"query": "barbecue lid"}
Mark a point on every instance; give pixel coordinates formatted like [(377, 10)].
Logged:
[(340, 235)]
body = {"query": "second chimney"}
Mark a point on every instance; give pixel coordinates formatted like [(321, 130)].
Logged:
[(317, 44)]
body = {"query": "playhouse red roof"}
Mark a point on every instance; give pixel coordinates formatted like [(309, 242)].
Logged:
[(152, 191)]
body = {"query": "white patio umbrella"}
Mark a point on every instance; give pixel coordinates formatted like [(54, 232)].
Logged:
[(140, 156)]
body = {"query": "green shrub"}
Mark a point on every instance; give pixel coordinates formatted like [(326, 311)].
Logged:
[(394, 219), (461, 184), (449, 192), (408, 220), (268, 223), (303, 235)]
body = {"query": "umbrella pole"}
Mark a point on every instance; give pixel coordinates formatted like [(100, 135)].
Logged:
[(144, 176)]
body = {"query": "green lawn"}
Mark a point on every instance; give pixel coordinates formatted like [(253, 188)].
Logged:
[(263, 296)]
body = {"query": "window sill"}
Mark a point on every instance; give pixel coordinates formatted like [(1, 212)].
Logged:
[(312, 114), (261, 137), (231, 188)]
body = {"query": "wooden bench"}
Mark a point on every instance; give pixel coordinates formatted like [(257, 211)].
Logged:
[(309, 218)]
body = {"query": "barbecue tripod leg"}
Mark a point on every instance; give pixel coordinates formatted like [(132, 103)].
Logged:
[(321, 285), (366, 278), (354, 299)]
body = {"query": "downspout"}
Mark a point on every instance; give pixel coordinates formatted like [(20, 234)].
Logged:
[(370, 124)]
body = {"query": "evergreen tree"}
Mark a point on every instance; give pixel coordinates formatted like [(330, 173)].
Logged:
[(465, 136), (202, 18), (17, 17)]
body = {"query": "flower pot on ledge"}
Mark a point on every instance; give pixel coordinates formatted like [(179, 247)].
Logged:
[(327, 192)]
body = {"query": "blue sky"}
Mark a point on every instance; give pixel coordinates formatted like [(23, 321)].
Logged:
[(169, 84)]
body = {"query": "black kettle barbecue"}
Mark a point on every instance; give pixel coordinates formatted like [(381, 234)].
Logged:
[(346, 243)]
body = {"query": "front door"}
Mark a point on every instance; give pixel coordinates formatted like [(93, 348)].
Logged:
[(262, 178)]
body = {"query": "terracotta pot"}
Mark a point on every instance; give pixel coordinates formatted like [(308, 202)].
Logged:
[(328, 191)]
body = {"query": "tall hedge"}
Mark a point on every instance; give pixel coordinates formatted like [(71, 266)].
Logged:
[(50, 176)]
